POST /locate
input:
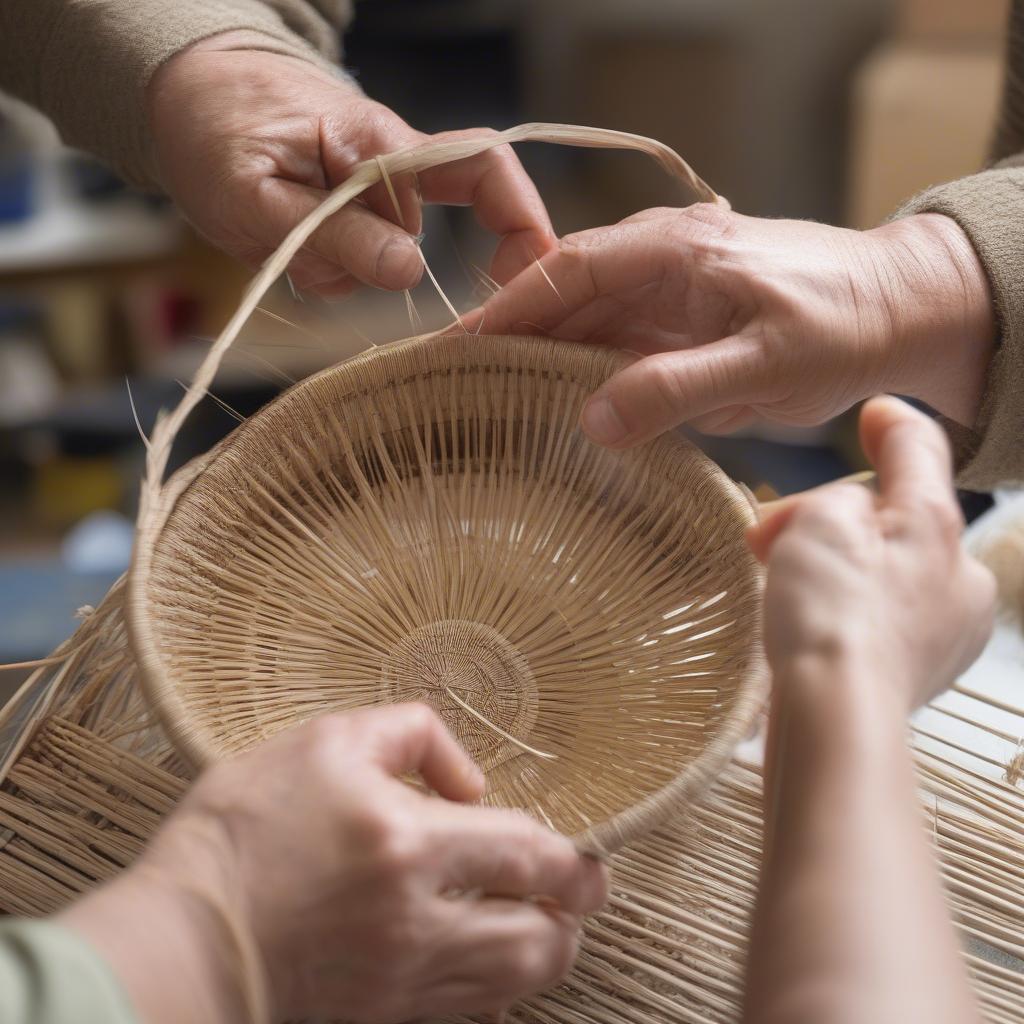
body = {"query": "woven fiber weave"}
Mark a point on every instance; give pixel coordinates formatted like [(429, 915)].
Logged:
[(427, 522)]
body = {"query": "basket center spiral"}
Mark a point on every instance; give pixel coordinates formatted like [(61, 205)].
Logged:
[(455, 665)]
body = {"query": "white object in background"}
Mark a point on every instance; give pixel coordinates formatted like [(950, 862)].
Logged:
[(28, 382), (65, 232), (99, 543), (997, 675)]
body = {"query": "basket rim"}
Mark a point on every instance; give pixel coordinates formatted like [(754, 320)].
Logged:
[(191, 736)]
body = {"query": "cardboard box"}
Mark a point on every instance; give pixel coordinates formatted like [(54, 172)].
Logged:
[(920, 116), (953, 19)]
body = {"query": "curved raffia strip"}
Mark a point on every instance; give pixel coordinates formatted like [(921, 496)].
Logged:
[(601, 835), (97, 776)]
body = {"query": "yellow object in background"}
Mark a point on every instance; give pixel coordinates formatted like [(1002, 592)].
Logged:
[(957, 20), (923, 106), (921, 115), (66, 489)]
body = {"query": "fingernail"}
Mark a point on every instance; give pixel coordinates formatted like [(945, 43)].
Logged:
[(399, 264), (602, 423)]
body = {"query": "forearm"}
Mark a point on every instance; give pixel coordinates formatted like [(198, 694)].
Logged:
[(851, 924), (176, 958), (87, 65), (988, 209), (942, 314)]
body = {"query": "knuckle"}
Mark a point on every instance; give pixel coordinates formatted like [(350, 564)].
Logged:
[(772, 355), (564, 955), (320, 739), (942, 514), (529, 967), (370, 828), (397, 849), (575, 250), (572, 244), (841, 516), (418, 717), (846, 505), (701, 225), (385, 837), (254, 191), (852, 497), (515, 867), (663, 382)]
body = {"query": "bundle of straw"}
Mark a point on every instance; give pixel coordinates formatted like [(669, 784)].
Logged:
[(427, 522)]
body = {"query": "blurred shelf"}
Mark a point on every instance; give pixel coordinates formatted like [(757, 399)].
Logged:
[(67, 235)]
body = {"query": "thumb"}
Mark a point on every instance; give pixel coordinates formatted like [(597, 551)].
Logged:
[(663, 390), (355, 239)]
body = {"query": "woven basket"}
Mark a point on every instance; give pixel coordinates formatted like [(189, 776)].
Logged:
[(427, 522)]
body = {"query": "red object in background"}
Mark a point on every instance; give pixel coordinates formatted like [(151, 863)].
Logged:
[(179, 314)]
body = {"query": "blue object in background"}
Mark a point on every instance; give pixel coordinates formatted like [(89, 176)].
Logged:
[(40, 597), (99, 543), (16, 189), (39, 601)]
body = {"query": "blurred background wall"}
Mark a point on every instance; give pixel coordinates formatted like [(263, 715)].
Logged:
[(797, 108)]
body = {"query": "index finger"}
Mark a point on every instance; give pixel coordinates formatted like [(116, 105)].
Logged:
[(505, 853), (910, 453), (504, 200), (412, 738), (587, 268)]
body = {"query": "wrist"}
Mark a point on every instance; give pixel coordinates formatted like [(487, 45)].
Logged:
[(248, 41), (941, 313), (174, 954), (843, 696)]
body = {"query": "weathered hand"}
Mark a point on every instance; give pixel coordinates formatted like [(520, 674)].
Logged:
[(364, 897), (880, 584), (248, 142), (735, 317)]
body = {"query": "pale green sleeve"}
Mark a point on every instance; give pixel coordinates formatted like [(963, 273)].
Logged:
[(48, 975)]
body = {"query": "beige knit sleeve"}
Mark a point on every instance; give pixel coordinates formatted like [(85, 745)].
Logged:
[(87, 64), (989, 207)]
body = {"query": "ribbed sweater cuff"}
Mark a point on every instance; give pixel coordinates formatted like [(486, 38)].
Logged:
[(96, 59), (989, 207)]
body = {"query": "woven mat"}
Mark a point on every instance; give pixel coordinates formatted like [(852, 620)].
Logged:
[(87, 776)]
